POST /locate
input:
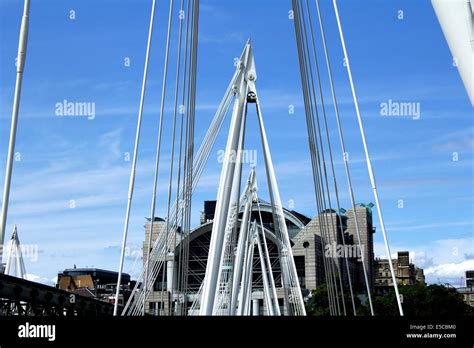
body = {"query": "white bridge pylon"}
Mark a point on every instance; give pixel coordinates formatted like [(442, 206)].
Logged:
[(223, 270), (15, 265)]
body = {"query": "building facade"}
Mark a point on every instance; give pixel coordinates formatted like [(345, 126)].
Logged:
[(469, 279), (468, 291), (321, 240), (95, 283), (406, 272)]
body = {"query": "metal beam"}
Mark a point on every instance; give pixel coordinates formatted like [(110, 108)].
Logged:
[(16, 108)]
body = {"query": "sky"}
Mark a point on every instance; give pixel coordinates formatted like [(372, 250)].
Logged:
[(71, 174)]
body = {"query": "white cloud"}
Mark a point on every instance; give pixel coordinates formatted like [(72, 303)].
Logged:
[(450, 270), (413, 226), (111, 141), (38, 279), (441, 259), (461, 140)]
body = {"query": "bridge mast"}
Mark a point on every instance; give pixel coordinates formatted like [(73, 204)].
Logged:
[(227, 208), (16, 107)]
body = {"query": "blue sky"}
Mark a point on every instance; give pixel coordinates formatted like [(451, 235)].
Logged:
[(82, 60)]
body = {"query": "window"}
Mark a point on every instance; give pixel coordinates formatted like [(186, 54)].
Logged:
[(300, 270)]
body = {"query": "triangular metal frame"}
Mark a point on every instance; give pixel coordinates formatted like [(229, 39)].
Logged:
[(228, 202), (15, 265)]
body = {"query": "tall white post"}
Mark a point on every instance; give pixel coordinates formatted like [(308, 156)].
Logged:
[(239, 257), (456, 18), (289, 274), (22, 45), (224, 192), (227, 197), (266, 287)]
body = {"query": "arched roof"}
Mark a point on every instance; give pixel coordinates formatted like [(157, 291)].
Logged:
[(296, 219), (207, 228)]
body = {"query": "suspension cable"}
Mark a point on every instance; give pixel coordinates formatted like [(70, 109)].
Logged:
[(330, 230), (180, 194), (336, 191), (313, 152), (367, 156), (134, 161), (341, 135), (173, 135)]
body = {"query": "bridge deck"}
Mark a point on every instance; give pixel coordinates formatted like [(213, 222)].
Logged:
[(23, 297)]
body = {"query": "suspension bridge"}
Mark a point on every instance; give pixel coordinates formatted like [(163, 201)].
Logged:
[(241, 246)]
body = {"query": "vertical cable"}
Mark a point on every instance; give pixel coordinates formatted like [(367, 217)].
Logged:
[(330, 230), (180, 193), (336, 191), (313, 147), (367, 156), (173, 135), (135, 155)]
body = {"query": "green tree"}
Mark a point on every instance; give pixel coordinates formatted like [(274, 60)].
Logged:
[(418, 301), (318, 304)]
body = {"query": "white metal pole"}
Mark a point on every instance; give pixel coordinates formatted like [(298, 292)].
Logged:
[(134, 161), (234, 202), (367, 156), (276, 202), (247, 276), (243, 287), (236, 279), (456, 18), (276, 308), (249, 281), (22, 45), (224, 195), (221, 214), (268, 297)]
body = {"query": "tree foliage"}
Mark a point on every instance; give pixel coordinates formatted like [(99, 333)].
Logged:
[(422, 301), (418, 301)]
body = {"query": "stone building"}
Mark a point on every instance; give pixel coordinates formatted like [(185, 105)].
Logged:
[(406, 273), (309, 245), (467, 291), (366, 230), (469, 278)]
